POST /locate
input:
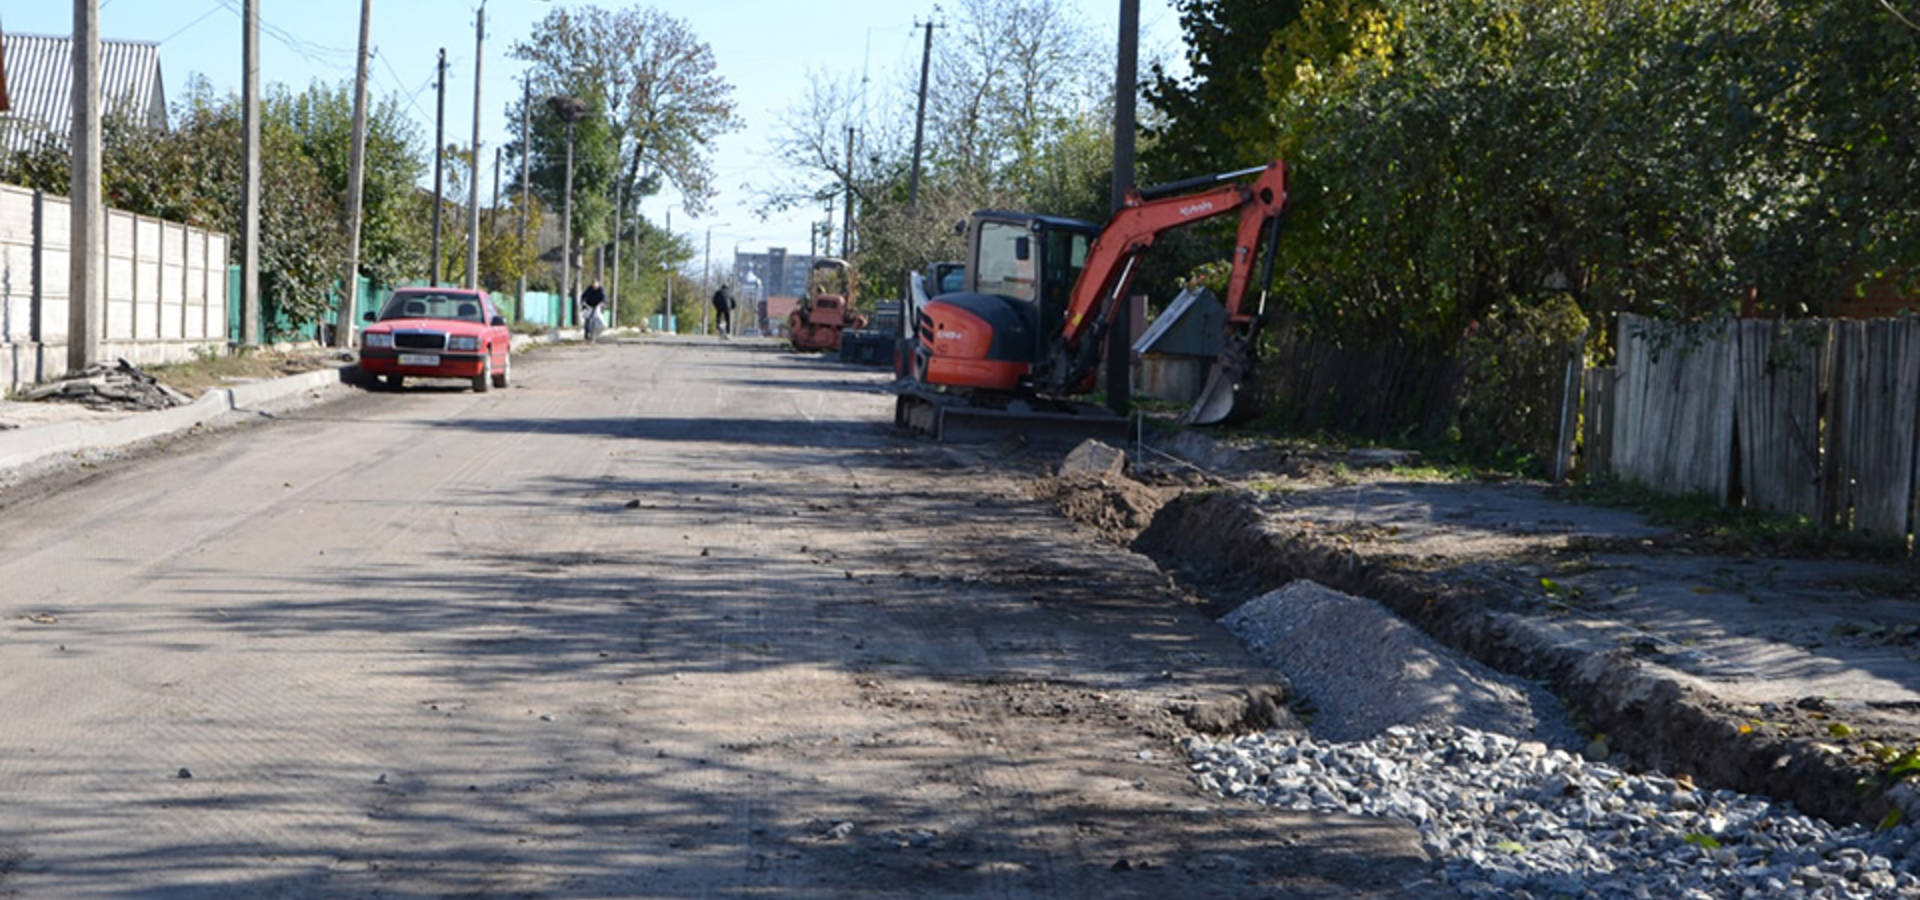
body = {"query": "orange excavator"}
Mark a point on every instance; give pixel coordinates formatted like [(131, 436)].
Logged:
[(1041, 293)]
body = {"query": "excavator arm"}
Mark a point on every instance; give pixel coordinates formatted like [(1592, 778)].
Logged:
[(1142, 219)]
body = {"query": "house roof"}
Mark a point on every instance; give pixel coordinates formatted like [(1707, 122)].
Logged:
[(39, 82)]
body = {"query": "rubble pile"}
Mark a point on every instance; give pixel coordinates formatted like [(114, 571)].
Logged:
[(122, 386)]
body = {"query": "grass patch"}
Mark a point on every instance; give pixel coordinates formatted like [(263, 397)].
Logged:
[(1703, 525), (209, 371), (1438, 472), (529, 328)]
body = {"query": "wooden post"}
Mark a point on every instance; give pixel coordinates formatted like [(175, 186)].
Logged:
[(1569, 410)]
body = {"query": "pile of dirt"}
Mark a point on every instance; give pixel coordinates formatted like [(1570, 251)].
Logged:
[(1119, 508), (122, 385)]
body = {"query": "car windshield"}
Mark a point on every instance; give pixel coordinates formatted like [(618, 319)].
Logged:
[(465, 307)]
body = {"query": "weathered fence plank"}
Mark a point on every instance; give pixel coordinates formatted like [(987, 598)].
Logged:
[(1675, 413), (1778, 417), (1596, 442), (1875, 400)]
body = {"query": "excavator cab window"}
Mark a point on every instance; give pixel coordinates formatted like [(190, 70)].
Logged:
[(1004, 268), (1063, 255)]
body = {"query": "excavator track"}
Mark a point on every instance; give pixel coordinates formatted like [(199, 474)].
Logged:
[(950, 418)]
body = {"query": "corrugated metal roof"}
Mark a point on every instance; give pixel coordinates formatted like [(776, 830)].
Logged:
[(39, 76)]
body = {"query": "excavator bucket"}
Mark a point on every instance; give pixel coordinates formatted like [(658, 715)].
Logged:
[(1226, 397)]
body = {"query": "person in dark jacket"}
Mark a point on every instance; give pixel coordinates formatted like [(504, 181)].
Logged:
[(723, 311), (592, 315)]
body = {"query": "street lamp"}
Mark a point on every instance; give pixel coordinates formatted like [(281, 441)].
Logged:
[(571, 110)]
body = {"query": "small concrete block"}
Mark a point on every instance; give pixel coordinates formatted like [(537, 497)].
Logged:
[(1094, 458)]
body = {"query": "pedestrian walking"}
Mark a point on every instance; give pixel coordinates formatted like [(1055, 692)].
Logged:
[(590, 302), (723, 311)]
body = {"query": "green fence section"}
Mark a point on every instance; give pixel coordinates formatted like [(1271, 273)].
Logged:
[(283, 328), (543, 308)]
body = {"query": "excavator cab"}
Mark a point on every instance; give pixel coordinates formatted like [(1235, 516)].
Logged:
[(989, 335)]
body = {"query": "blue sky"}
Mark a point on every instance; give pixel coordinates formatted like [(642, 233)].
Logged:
[(763, 47)]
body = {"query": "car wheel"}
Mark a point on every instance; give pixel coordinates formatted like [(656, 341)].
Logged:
[(504, 377), (484, 380)]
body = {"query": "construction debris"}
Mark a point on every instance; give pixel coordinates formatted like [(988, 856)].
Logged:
[(122, 385), (1094, 458)]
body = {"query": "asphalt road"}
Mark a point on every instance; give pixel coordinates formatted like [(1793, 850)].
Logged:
[(668, 618)]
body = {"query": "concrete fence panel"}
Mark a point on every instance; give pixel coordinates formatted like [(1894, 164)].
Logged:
[(166, 294)]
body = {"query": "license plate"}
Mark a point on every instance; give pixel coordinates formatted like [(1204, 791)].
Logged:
[(419, 359)]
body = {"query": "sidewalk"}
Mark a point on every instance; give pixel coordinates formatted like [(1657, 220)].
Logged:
[(49, 432), (45, 433), (1795, 678)]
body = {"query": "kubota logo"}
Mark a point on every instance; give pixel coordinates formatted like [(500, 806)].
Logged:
[(1196, 208), (951, 335)]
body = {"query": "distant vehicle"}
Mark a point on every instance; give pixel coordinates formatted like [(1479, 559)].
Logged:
[(826, 310), (437, 333)]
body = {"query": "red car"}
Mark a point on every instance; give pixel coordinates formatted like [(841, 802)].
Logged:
[(437, 333)]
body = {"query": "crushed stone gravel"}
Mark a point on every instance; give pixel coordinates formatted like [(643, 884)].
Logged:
[(1508, 818)]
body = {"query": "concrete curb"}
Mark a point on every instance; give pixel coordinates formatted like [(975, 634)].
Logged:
[(27, 446)]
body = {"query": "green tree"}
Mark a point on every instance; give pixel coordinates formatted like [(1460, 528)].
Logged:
[(656, 104), (393, 238), (1217, 116)]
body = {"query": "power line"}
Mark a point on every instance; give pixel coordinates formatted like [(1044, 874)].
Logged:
[(183, 29), (413, 98), (307, 50)]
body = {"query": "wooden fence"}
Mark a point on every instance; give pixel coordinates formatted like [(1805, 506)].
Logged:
[(166, 288), (1814, 418)]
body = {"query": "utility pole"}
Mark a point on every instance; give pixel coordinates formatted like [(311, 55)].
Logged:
[(613, 286), (356, 179), (1120, 333), (439, 153), (473, 158), (566, 233), (250, 177), (87, 287), (846, 215), (526, 175), (706, 279), (920, 118)]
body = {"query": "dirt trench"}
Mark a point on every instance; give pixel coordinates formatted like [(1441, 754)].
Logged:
[(1218, 545)]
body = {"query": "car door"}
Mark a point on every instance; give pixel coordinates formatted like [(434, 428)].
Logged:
[(499, 338)]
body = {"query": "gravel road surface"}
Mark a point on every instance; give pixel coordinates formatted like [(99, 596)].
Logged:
[(670, 618)]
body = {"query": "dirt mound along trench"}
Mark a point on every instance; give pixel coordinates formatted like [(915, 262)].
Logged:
[(1117, 507), (1220, 543)]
